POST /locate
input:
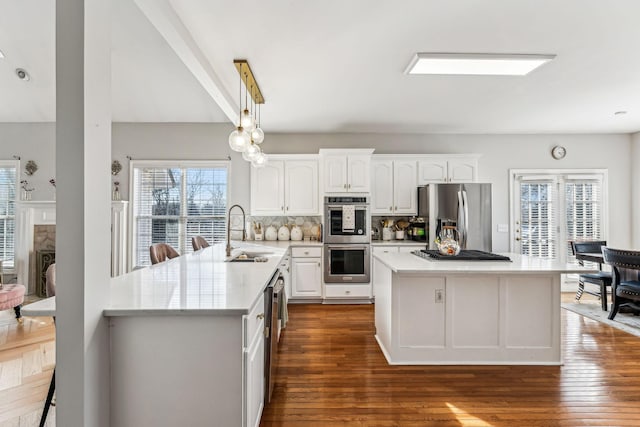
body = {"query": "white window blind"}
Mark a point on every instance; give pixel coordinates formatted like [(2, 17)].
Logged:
[(538, 208), (173, 203), (7, 213), (583, 210), (556, 207)]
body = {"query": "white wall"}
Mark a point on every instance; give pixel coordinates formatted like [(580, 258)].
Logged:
[(32, 141), (499, 154), (635, 190)]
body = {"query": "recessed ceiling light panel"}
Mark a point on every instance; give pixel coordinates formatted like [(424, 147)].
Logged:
[(487, 64), (23, 74), (1, 55)]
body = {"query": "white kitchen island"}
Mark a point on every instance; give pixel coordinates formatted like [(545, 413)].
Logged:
[(187, 345), (430, 312)]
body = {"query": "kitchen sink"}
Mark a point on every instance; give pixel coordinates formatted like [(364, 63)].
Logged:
[(250, 256)]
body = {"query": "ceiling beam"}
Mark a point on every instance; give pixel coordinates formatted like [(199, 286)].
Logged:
[(164, 18)]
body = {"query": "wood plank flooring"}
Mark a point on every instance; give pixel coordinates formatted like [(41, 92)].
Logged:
[(27, 359), (332, 373)]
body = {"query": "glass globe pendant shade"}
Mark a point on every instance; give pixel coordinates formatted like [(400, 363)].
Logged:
[(239, 139), (251, 152), (246, 120), (257, 135), (260, 160)]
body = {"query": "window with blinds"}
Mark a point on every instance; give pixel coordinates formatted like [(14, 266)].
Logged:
[(173, 203), (7, 213), (537, 218), (557, 208)]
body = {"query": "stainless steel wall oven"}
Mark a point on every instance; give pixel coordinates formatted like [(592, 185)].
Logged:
[(347, 252)]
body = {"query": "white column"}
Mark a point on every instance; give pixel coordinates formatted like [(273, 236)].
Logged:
[(635, 190), (83, 153)]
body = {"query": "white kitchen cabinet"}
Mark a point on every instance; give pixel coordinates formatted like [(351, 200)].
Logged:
[(306, 272), (285, 186), (394, 186), (452, 169), (346, 171), (255, 380)]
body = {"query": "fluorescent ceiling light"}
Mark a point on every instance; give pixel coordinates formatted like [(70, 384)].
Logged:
[(476, 64)]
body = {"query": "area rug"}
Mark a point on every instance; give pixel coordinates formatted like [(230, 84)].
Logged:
[(623, 321)]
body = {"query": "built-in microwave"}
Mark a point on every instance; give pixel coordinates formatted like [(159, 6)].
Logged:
[(346, 220)]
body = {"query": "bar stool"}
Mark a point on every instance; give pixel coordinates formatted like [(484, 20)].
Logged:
[(625, 289)]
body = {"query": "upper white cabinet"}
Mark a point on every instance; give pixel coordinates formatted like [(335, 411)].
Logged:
[(394, 186), (447, 169), (346, 171), (287, 185)]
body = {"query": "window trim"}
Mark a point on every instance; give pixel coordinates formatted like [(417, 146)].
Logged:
[(133, 164), (573, 173), (16, 165)]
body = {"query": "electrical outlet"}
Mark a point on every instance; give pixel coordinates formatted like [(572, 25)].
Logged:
[(439, 296)]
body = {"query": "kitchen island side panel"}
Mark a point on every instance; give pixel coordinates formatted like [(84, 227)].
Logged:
[(176, 370)]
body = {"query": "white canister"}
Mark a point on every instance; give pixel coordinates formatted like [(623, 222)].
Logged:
[(283, 233), (399, 234), (387, 233), (296, 233), (271, 233)]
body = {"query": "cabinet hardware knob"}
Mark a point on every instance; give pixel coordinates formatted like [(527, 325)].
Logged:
[(391, 208), (306, 252), (345, 186), (396, 208), (347, 292), (281, 208), (287, 207), (260, 316), (318, 264)]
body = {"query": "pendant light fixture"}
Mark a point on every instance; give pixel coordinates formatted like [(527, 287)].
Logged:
[(257, 135), (249, 120), (239, 139)]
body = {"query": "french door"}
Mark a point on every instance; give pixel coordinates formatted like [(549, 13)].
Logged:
[(552, 208)]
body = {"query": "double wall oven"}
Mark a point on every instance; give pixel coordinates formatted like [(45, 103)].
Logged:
[(347, 239)]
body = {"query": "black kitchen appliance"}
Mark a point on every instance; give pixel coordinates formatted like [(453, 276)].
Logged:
[(464, 255)]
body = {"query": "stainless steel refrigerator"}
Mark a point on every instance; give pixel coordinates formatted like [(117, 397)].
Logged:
[(465, 206)]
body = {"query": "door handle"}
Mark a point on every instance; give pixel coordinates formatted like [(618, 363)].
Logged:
[(260, 316)]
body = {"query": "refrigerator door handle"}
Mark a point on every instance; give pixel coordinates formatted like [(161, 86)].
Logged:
[(461, 225), (465, 203)]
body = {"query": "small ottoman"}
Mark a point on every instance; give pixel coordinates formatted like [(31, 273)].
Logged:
[(12, 296)]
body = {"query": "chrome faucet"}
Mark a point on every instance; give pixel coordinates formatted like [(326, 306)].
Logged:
[(244, 230)]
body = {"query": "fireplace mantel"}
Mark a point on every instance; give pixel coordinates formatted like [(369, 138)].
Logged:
[(28, 214)]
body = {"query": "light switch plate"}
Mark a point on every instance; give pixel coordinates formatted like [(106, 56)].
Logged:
[(503, 228)]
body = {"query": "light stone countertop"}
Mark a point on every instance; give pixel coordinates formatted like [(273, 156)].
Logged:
[(201, 283), (398, 243), (410, 263)]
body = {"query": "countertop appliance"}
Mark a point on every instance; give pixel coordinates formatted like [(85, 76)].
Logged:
[(465, 206), (464, 255), (273, 298)]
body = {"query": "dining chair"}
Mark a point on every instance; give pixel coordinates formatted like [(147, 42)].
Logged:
[(602, 278), (160, 252), (624, 290), (199, 242)]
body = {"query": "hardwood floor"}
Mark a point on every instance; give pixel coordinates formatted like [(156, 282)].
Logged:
[(27, 359), (332, 373)]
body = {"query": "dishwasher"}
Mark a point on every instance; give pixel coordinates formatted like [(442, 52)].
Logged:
[(274, 294)]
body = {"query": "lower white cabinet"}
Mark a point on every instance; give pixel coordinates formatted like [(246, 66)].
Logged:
[(402, 247), (255, 379), (306, 272)]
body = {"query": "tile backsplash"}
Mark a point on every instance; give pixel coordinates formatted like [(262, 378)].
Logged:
[(308, 224)]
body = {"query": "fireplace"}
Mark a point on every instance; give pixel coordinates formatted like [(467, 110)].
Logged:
[(35, 231)]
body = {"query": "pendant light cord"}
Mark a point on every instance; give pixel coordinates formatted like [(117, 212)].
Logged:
[(240, 98)]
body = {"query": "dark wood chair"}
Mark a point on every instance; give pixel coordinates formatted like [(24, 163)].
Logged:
[(199, 242), (160, 252), (602, 279), (625, 289)]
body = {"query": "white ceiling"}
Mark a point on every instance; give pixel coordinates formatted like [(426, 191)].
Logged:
[(337, 66)]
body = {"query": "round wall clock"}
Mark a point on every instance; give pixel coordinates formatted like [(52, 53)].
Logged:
[(558, 152)]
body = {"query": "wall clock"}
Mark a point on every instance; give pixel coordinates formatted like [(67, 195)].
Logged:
[(558, 152)]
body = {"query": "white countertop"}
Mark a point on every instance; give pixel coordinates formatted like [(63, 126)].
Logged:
[(409, 263), (398, 243), (201, 283)]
